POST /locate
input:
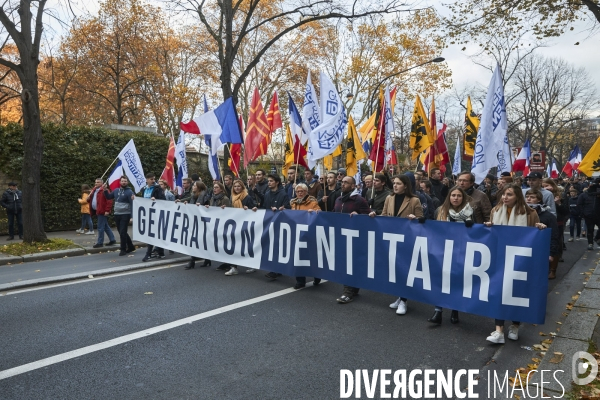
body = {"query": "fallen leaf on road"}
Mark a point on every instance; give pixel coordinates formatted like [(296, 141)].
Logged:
[(37, 270), (557, 358), (148, 293), (543, 334), (113, 260), (130, 255), (558, 322), (90, 276), (553, 333), (536, 360), (547, 341)]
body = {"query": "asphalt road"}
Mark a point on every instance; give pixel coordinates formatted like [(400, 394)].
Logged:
[(289, 346)]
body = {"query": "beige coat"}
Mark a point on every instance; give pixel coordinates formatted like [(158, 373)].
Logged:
[(410, 205)]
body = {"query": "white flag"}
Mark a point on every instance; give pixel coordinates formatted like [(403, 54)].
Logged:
[(132, 166), (325, 138), (504, 158), (389, 120), (180, 157), (456, 166), (311, 117), (492, 129)]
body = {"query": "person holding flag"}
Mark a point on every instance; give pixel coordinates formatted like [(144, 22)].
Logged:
[(123, 200), (100, 206)]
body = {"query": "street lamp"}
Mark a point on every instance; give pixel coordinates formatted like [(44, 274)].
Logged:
[(371, 100)]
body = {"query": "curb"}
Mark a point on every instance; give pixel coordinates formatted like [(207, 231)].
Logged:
[(81, 275), (79, 251)]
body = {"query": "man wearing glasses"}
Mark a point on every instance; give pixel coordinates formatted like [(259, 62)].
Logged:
[(341, 173), (481, 204)]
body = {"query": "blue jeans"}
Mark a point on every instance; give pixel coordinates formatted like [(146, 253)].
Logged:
[(575, 222), (86, 220), (102, 228)]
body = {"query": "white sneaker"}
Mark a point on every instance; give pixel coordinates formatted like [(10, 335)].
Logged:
[(513, 332), (79, 231), (401, 307), (232, 271), (570, 239), (90, 233), (496, 337), (250, 270), (396, 303)]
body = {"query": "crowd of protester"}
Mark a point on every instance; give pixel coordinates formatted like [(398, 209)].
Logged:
[(529, 201)]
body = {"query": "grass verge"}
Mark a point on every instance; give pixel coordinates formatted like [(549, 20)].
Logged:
[(19, 249)]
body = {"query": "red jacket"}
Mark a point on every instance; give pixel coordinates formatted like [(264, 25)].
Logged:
[(103, 204)]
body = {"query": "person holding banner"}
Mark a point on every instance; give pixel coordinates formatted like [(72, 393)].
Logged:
[(240, 199), (152, 191), (350, 203), (403, 203), (218, 199), (123, 201), (329, 193), (378, 194), (276, 199), (198, 198), (456, 208), (534, 199), (304, 201), (512, 210)]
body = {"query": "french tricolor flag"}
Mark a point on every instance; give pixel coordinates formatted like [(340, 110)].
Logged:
[(552, 169), (114, 179), (573, 163), (522, 161)]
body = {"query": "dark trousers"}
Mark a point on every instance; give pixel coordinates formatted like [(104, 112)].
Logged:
[(302, 280), (122, 222), (500, 322), (159, 250), (11, 222), (590, 224), (575, 222), (350, 291)]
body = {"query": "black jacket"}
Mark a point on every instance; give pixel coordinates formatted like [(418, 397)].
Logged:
[(11, 200), (438, 189), (262, 187), (331, 197), (574, 209), (587, 203), (376, 202), (157, 192), (548, 219), (277, 199)]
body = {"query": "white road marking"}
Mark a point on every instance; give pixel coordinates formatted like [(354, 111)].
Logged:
[(86, 280), (137, 335)]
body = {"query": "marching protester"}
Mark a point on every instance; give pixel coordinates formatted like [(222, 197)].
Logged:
[(100, 206), (512, 211), (438, 189), (86, 218), (313, 185), (426, 188), (341, 173), (329, 193), (218, 199), (589, 204), (535, 182), (304, 201), (479, 201), (228, 183), (169, 196), (456, 208), (378, 194), (403, 203), (240, 199), (261, 181), (574, 214), (534, 200), (186, 196), (350, 203), (123, 200), (153, 191), (490, 188), (13, 202), (368, 184), (199, 194), (562, 210), (276, 199), (426, 202), (291, 182)]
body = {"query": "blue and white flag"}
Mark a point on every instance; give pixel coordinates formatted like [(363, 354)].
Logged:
[(492, 130), (214, 143), (180, 157), (132, 165), (504, 158), (456, 166), (311, 117), (325, 138), (389, 120)]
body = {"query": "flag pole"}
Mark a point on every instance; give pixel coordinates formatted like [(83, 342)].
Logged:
[(107, 169)]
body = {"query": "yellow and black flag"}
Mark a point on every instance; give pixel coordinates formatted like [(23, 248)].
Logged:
[(471, 128), (289, 149), (354, 150), (421, 136), (591, 161)]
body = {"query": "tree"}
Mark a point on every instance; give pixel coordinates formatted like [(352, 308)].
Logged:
[(230, 22), (546, 18), (23, 28)]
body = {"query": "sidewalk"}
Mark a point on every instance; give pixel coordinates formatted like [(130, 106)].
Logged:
[(84, 242)]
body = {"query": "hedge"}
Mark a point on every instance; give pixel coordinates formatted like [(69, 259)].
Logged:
[(74, 155)]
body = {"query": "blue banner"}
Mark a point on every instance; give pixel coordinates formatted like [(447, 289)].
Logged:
[(500, 272)]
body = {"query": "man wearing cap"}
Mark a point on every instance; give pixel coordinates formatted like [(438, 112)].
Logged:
[(535, 183), (12, 201), (341, 173)]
